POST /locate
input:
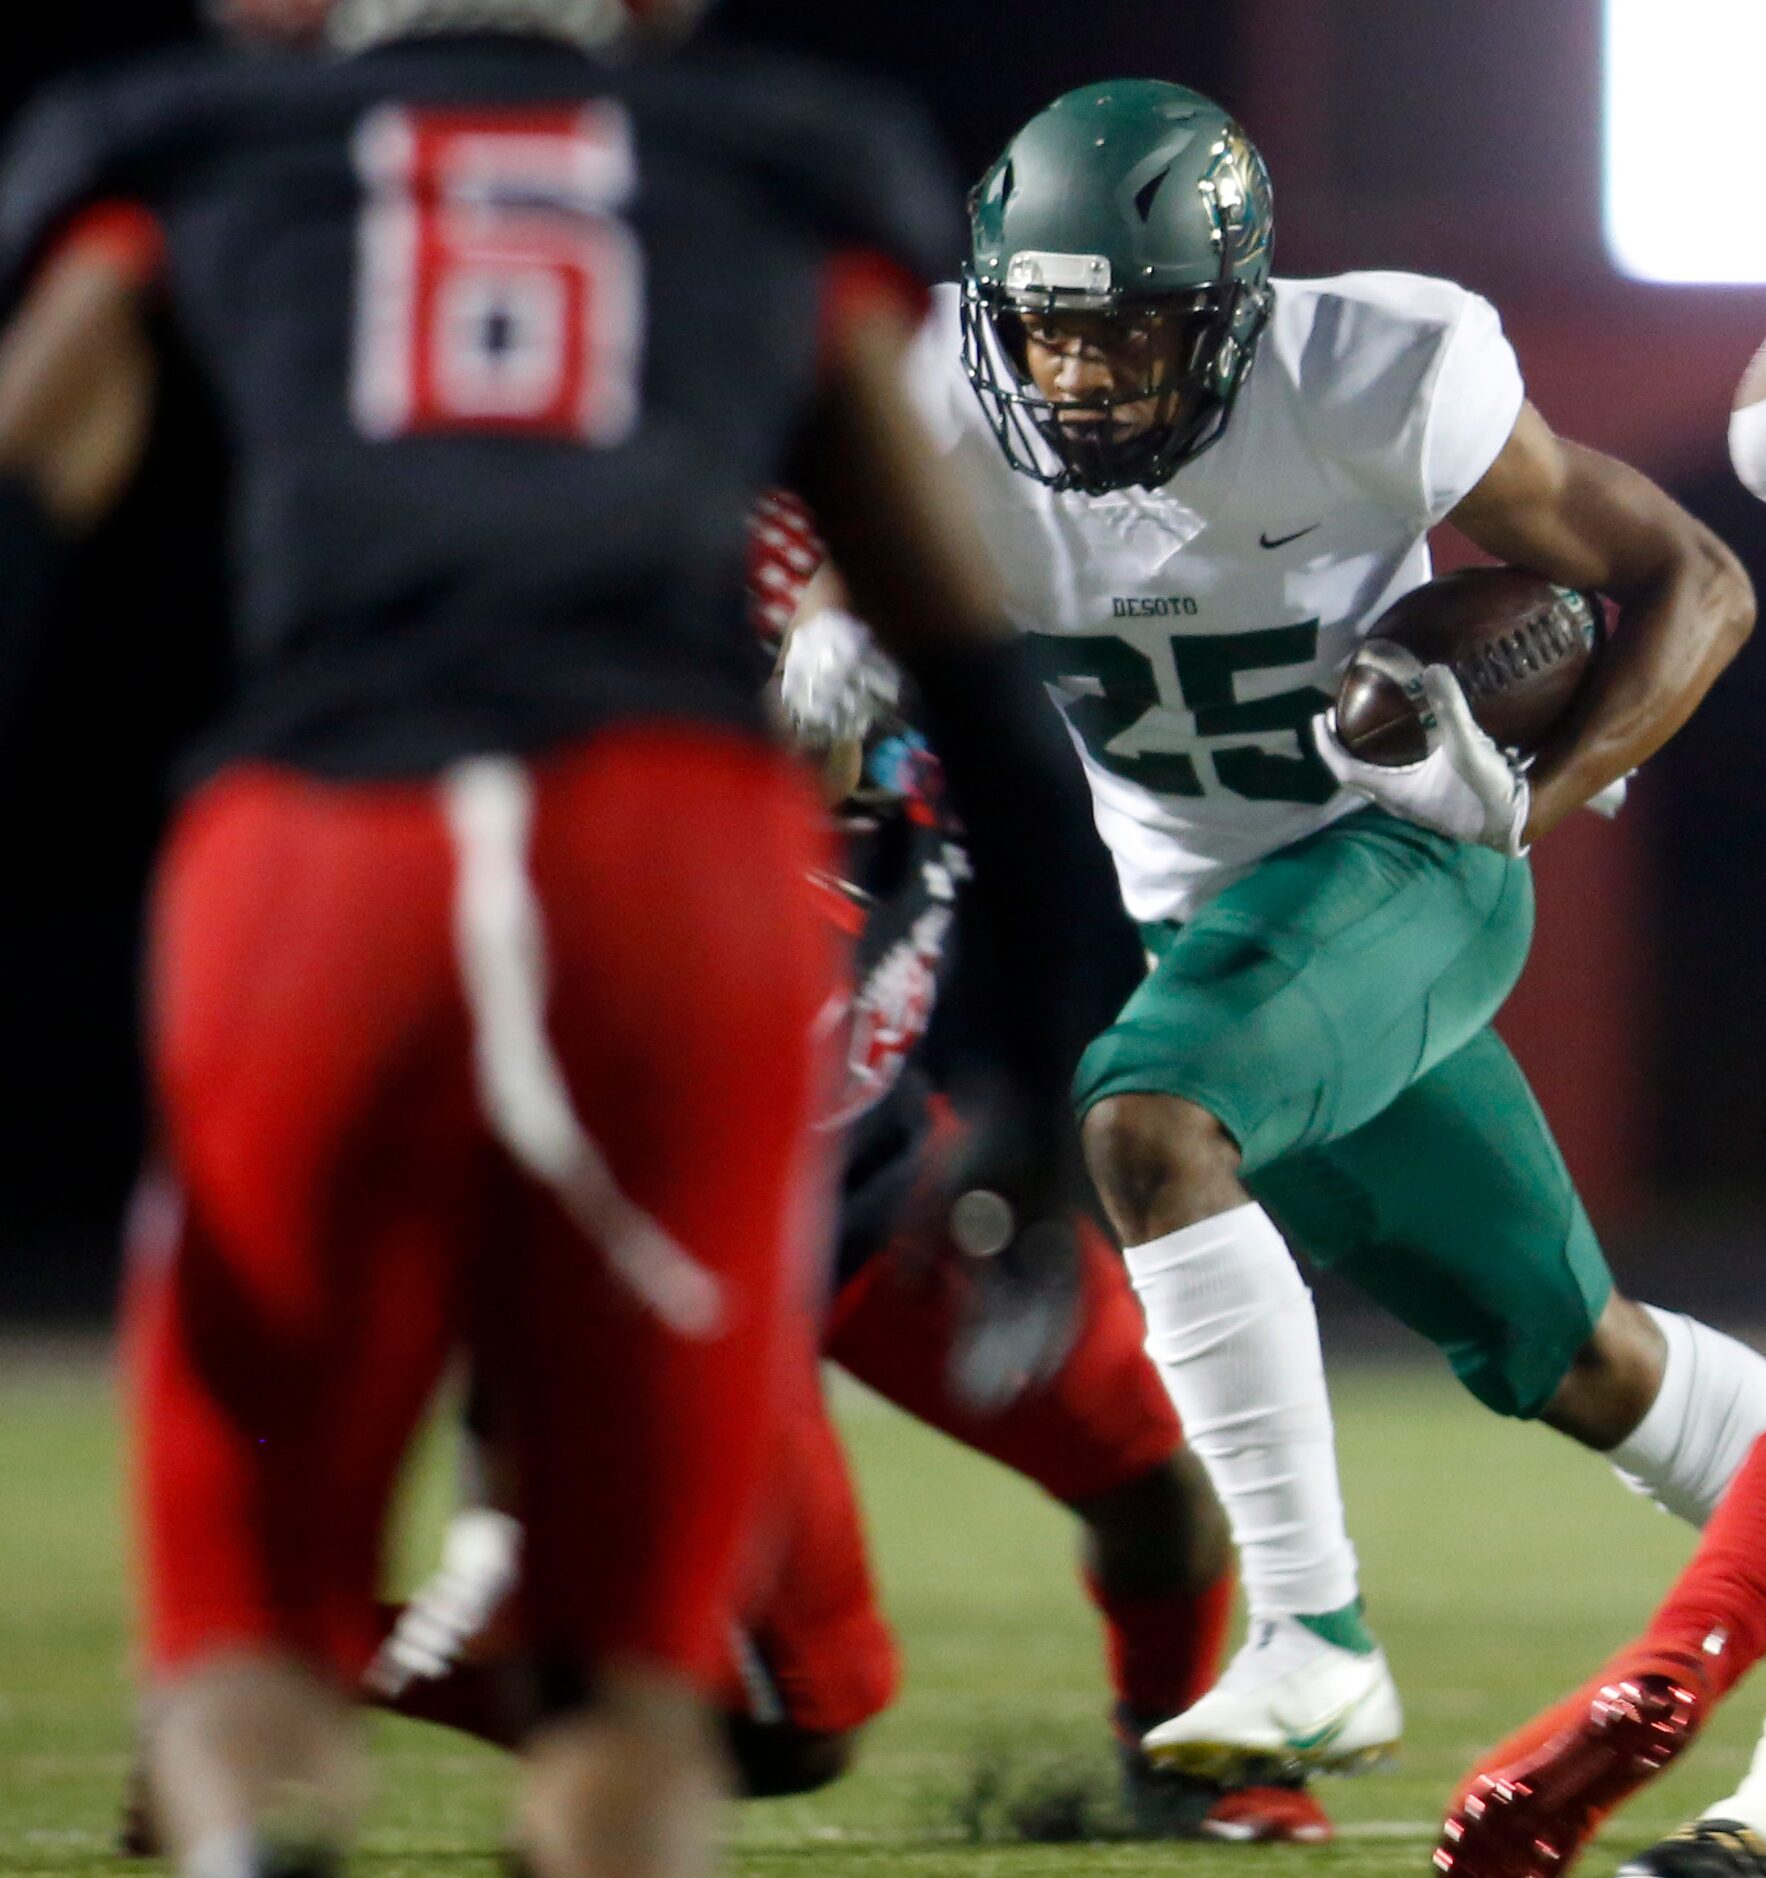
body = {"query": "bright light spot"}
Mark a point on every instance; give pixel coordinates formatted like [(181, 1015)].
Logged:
[(1686, 139)]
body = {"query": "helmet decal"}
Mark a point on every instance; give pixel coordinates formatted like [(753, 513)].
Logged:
[(1237, 185), (1143, 196)]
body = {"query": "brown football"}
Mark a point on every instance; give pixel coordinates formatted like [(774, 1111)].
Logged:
[(1518, 645)]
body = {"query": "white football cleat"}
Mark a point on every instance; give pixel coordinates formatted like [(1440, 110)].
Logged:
[(481, 1563), (1290, 1704)]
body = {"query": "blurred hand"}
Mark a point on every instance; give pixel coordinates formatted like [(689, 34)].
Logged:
[(1017, 1263), (1020, 1316), (1467, 786), (834, 682)]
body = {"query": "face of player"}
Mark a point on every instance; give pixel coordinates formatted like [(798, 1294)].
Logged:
[(1114, 371)]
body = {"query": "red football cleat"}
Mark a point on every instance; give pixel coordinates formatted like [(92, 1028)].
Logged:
[(1268, 1816), (1164, 1804), (1532, 1818)]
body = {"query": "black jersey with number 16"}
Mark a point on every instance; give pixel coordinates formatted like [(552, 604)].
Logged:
[(504, 343)]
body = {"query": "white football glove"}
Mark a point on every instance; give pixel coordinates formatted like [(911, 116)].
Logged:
[(1468, 786), (835, 683)]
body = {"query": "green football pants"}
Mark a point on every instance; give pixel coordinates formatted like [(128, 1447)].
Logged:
[(1332, 1011)]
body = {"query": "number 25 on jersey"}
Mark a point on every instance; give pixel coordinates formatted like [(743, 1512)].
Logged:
[(499, 290)]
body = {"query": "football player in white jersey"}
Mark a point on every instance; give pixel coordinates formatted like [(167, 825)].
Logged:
[(1201, 487)]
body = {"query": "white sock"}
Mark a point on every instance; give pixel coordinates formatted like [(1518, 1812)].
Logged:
[(1231, 1326), (1748, 1802), (1708, 1413)]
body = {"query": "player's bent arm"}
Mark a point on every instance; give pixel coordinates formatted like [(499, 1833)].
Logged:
[(1685, 603), (890, 508), (76, 388), (76, 393)]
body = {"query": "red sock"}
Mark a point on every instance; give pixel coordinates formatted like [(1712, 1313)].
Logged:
[(1720, 1595), (1164, 1650), (1715, 1617)]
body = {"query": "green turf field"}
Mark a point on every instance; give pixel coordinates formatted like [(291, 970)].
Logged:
[(1499, 1565)]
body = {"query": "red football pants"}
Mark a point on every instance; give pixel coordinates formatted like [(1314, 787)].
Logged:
[(517, 1064), (1103, 1419), (818, 1650)]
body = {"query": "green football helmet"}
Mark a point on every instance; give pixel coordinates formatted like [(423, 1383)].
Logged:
[(1133, 200)]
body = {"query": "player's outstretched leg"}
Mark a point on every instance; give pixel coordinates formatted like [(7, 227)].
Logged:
[(647, 1305), (1673, 1404), (1145, 1552), (1101, 1437), (627, 1786), (288, 1313), (1530, 1817), (251, 1764), (1531, 1805), (1231, 1327)]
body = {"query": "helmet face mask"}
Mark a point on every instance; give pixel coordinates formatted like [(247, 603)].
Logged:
[(1133, 208), (1140, 431)]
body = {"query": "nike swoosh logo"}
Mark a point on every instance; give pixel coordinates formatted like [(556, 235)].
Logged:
[(1322, 1737), (1328, 1731), (1281, 541)]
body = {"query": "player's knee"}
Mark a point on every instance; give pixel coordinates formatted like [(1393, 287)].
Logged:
[(774, 1760), (1162, 1532), (1160, 1164), (1613, 1379)]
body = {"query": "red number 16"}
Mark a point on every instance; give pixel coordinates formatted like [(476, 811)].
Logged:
[(498, 289)]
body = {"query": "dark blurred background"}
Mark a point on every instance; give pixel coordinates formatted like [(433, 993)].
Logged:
[(1459, 140)]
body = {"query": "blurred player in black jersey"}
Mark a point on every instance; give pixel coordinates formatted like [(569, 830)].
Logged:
[(483, 985)]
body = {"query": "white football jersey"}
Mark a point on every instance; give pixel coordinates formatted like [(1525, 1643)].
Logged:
[(1191, 632)]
